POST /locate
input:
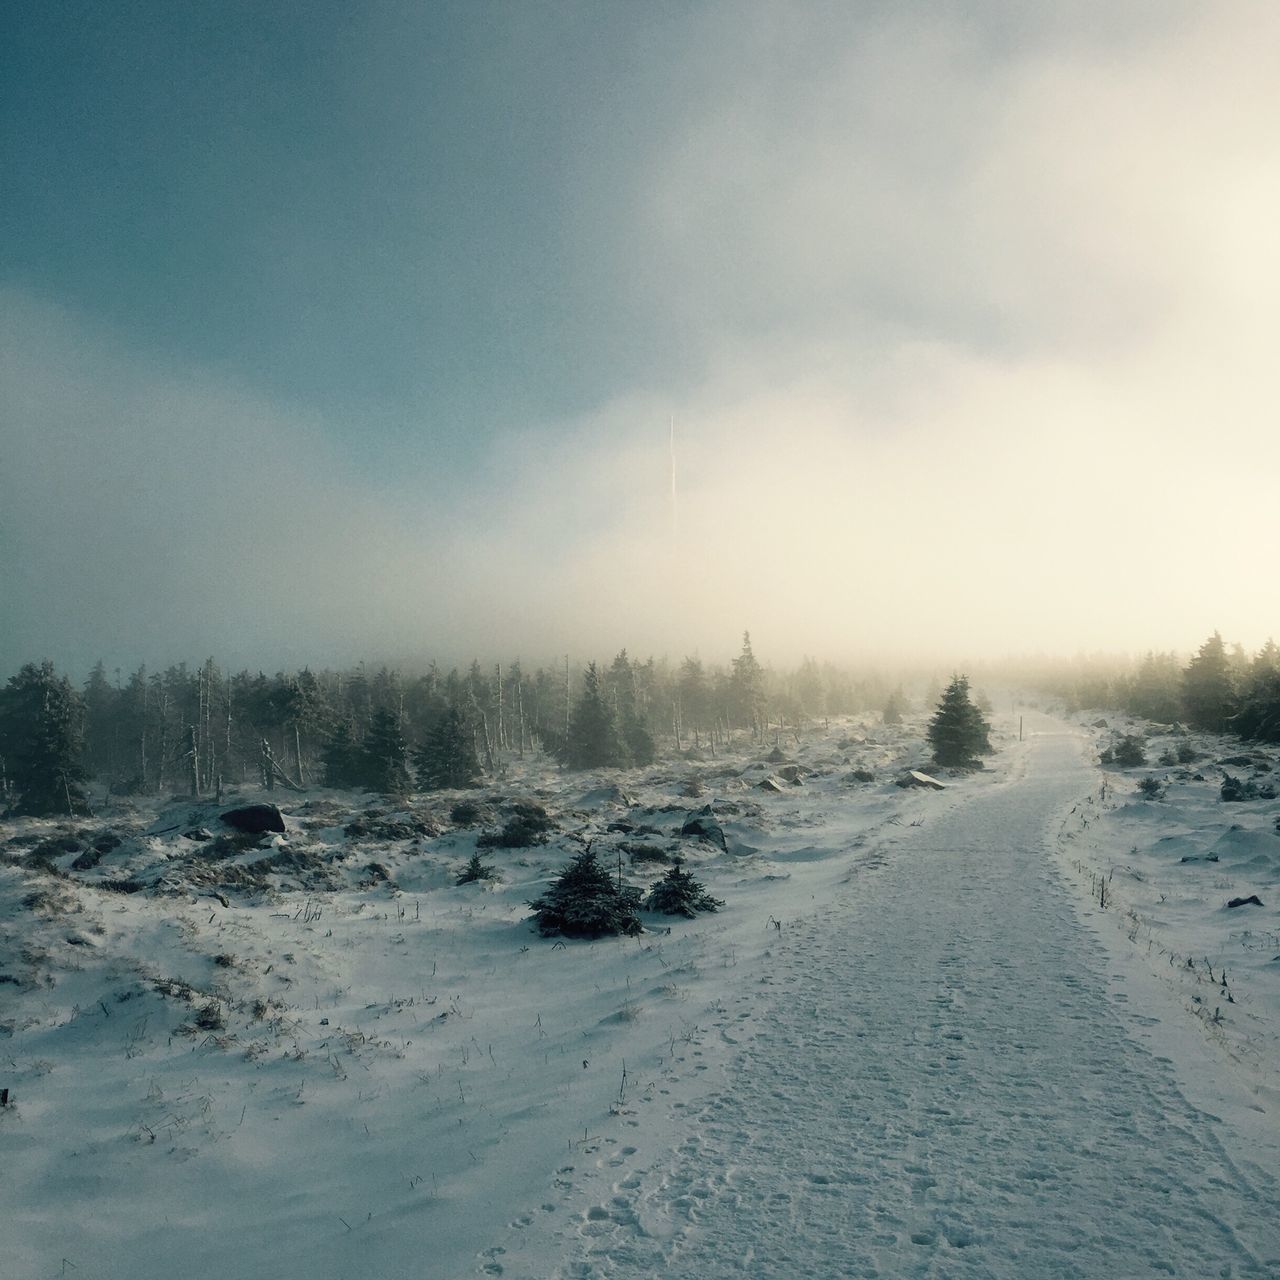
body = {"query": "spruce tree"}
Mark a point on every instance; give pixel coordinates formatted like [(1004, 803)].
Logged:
[(587, 902), (1208, 691), (679, 894), (385, 754), (635, 733), (746, 686), (447, 759), (958, 732), (41, 739), (342, 760), (594, 740)]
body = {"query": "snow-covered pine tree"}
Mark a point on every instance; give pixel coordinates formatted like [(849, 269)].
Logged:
[(958, 732), (587, 902), (679, 894), (475, 871)]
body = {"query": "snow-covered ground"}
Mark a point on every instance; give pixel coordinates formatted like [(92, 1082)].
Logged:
[(910, 1045)]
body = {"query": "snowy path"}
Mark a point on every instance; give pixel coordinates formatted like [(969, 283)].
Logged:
[(941, 1086)]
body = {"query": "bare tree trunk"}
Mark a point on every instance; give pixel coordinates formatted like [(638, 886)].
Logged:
[(520, 710), (297, 753), (265, 763), (193, 760)]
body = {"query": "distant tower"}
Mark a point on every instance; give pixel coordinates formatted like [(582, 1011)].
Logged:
[(675, 509)]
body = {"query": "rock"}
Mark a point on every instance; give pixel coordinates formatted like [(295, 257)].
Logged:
[(862, 775), (693, 789), (793, 774), (199, 834), (771, 783), (1251, 901), (914, 778), (1100, 724), (608, 794), (703, 826), (776, 756), (254, 819), (622, 828)]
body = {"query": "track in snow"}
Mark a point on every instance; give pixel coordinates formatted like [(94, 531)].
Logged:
[(942, 1087)]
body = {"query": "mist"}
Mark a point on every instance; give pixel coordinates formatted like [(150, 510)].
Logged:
[(976, 358)]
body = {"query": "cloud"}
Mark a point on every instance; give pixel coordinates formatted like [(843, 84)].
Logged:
[(984, 330)]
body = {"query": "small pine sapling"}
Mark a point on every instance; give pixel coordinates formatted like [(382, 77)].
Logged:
[(476, 870), (679, 894)]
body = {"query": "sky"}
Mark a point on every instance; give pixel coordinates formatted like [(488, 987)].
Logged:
[(336, 331)]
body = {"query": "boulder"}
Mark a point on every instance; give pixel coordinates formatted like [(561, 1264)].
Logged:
[(254, 819), (1251, 901), (776, 756), (914, 778), (793, 774), (610, 793), (771, 783), (703, 826)]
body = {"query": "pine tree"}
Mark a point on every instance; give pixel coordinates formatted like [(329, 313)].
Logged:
[(385, 754), (594, 740), (587, 902), (958, 732), (747, 687), (1208, 692), (41, 739), (695, 696), (448, 757), (679, 894), (475, 871), (342, 761), (1259, 714), (622, 684)]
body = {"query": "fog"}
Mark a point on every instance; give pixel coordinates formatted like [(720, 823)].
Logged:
[(985, 364)]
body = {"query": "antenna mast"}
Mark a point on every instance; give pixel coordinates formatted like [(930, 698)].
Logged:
[(675, 509)]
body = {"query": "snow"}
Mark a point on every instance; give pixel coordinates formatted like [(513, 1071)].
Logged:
[(912, 1043)]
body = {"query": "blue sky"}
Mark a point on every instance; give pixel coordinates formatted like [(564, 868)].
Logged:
[(430, 280)]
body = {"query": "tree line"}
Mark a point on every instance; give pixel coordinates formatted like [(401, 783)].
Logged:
[(1222, 689), (191, 730)]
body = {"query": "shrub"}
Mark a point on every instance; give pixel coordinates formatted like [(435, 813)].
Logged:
[(679, 894), (639, 851), (1128, 751), (1150, 788), (1187, 754), (1236, 789), (527, 826), (466, 813), (210, 1017), (586, 902)]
